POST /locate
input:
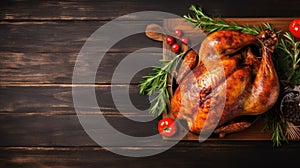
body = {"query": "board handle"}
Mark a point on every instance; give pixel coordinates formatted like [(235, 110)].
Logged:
[(154, 32)]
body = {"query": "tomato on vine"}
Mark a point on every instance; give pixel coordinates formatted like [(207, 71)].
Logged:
[(167, 127), (295, 27)]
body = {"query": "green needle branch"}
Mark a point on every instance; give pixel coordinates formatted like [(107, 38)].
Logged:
[(156, 84)]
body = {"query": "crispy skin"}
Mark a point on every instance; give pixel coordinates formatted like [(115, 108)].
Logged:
[(234, 87), (214, 46), (193, 96), (227, 72), (223, 43), (264, 91), (188, 63), (265, 88)]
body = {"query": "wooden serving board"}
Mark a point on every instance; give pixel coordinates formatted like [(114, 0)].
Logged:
[(255, 132)]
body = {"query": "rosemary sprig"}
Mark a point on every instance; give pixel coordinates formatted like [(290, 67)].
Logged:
[(156, 85), (289, 60), (209, 25), (275, 122)]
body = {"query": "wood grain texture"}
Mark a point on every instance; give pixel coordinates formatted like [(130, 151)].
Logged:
[(107, 10), (46, 68), (56, 99), (62, 37), (247, 154), (65, 130)]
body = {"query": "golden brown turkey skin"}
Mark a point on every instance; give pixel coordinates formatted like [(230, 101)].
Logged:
[(188, 63), (227, 78)]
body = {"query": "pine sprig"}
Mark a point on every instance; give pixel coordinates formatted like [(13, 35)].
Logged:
[(156, 85)]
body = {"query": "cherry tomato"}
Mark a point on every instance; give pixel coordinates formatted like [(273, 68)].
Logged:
[(170, 40), (167, 127), (175, 48), (178, 32), (184, 40), (295, 27)]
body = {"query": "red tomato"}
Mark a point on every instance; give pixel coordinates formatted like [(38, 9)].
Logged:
[(175, 48), (170, 40), (295, 27), (167, 127)]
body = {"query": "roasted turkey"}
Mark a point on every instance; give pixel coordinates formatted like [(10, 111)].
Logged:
[(226, 80)]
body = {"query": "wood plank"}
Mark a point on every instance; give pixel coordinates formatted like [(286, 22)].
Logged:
[(57, 36), (107, 10), (65, 130), (58, 68), (247, 154), (57, 99)]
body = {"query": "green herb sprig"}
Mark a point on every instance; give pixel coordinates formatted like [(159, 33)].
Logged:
[(288, 60), (275, 122), (156, 84), (209, 25)]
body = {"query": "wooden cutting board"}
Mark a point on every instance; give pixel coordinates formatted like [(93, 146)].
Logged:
[(255, 132)]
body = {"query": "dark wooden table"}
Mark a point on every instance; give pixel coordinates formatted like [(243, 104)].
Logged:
[(40, 41)]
